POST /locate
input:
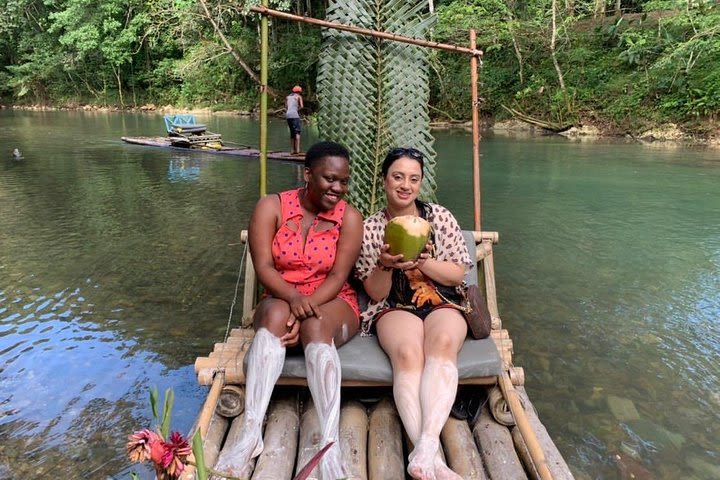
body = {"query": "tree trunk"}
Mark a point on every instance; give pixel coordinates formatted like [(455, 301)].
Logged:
[(231, 50), (599, 8), (518, 53), (116, 71), (552, 46)]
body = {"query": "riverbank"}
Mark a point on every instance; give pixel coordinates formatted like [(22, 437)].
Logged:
[(665, 134)]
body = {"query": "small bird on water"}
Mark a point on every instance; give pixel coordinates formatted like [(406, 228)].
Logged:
[(17, 155)]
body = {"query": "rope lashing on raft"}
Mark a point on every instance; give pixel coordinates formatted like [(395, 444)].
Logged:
[(220, 370)]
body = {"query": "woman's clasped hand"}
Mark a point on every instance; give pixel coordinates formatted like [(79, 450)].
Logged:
[(303, 244)]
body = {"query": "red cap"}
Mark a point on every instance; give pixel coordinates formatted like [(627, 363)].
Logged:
[(297, 89)]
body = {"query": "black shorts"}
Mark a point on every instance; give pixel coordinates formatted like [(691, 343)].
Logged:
[(295, 125), (421, 312)]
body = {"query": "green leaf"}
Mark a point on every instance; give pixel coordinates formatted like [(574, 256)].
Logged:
[(199, 454), (154, 403), (167, 412), (374, 93)]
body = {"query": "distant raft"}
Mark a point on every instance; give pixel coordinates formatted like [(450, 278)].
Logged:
[(185, 133), (215, 148)]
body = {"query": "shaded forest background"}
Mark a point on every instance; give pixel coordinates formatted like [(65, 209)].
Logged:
[(625, 65)]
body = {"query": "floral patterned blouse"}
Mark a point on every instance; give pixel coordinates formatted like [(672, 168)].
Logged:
[(449, 246)]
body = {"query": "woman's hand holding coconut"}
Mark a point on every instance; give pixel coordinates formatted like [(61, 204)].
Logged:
[(388, 262), (411, 250)]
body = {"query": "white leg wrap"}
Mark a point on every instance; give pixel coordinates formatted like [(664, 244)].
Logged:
[(265, 362), (406, 391), (437, 394), (323, 376)]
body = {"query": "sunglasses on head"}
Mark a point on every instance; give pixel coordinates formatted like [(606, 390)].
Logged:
[(406, 152)]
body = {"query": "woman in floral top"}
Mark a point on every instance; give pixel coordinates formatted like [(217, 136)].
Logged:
[(412, 310)]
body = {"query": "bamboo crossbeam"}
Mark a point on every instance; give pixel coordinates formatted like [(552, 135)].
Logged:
[(366, 31)]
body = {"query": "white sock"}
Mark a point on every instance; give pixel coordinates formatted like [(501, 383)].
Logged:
[(265, 362), (437, 394), (406, 391), (323, 376)]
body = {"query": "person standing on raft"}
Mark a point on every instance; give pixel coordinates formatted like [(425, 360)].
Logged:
[(303, 243), (411, 310), (293, 104)]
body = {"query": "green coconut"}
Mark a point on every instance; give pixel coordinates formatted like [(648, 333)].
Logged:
[(407, 235)]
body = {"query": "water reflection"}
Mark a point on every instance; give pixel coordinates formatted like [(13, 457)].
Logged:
[(184, 168), (118, 264)]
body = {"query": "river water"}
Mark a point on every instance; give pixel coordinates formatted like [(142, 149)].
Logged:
[(118, 266)]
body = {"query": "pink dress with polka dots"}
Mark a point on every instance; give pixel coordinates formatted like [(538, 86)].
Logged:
[(307, 266)]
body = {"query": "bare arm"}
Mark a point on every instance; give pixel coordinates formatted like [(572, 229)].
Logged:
[(348, 248), (377, 284), (445, 273), (263, 226)]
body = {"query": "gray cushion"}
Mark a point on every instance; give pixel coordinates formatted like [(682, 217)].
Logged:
[(471, 275), (362, 358)]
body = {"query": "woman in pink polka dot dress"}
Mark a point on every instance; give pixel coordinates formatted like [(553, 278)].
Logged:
[(303, 243)]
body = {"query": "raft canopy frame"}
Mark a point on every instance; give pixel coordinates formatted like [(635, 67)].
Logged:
[(472, 51), (483, 243)]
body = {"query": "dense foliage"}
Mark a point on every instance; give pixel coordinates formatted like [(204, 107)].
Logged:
[(626, 64), (374, 94)]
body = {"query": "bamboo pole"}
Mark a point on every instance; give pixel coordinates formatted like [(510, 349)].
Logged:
[(263, 10), (523, 424), (385, 452), (479, 236), (524, 453), (263, 100), (309, 439), (556, 463), (215, 436), (463, 456), (234, 436), (496, 448), (353, 439), (232, 401), (475, 134), (206, 414), (281, 440)]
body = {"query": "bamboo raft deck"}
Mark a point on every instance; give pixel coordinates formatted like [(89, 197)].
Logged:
[(240, 151), (500, 443)]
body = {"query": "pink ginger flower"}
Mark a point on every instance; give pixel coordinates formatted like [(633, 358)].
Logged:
[(139, 446), (176, 452)]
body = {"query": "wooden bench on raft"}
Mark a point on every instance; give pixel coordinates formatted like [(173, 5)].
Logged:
[(364, 364), (482, 364)]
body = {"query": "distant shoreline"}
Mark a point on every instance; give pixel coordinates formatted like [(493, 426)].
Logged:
[(667, 134)]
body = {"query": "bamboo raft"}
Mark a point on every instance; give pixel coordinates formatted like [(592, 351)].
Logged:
[(504, 441), (239, 151)]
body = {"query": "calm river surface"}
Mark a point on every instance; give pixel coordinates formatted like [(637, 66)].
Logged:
[(118, 266)]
